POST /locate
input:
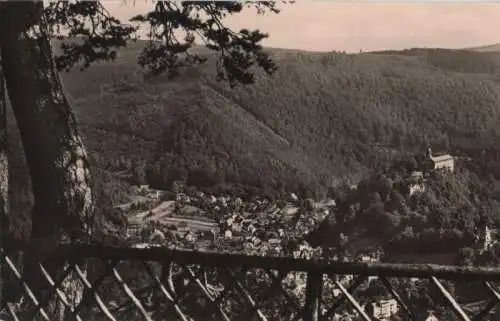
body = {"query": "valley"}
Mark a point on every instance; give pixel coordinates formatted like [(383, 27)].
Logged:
[(237, 182), (324, 120)]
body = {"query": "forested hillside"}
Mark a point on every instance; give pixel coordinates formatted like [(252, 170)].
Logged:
[(447, 213), (321, 118)]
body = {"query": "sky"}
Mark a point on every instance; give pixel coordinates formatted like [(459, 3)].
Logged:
[(353, 26)]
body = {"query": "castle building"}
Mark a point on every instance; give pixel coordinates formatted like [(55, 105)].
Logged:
[(445, 161)]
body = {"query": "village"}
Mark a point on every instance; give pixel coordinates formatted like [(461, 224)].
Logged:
[(161, 217)]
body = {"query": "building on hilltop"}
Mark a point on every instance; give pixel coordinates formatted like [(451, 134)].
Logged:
[(436, 162)]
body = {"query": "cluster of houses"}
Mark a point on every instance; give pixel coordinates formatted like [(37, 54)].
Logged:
[(383, 309)]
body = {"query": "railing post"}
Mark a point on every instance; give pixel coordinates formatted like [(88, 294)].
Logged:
[(314, 288)]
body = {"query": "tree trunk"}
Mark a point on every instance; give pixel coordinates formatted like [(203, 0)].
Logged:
[(4, 177), (4, 165), (56, 156)]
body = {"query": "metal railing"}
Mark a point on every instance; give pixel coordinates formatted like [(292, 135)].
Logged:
[(161, 284)]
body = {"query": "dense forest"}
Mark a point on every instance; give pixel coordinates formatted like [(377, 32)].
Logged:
[(448, 214), (322, 119)]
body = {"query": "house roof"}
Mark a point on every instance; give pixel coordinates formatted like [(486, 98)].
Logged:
[(417, 173), (441, 158)]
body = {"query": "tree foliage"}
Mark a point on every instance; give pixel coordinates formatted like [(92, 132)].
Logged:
[(449, 213), (89, 34), (172, 28), (57, 158), (321, 117)]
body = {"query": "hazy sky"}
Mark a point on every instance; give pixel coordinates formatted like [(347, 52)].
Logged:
[(354, 26)]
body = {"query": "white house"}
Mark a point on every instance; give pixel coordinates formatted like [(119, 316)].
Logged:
[(416, 188), (417, 183), (384, 309), (445, 161)]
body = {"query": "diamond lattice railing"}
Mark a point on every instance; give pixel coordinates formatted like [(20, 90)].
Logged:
[(161, 284)]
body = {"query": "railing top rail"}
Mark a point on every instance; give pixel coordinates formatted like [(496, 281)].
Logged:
[(162, 254)]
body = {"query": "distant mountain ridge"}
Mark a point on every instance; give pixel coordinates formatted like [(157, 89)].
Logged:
[(489, 48)]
